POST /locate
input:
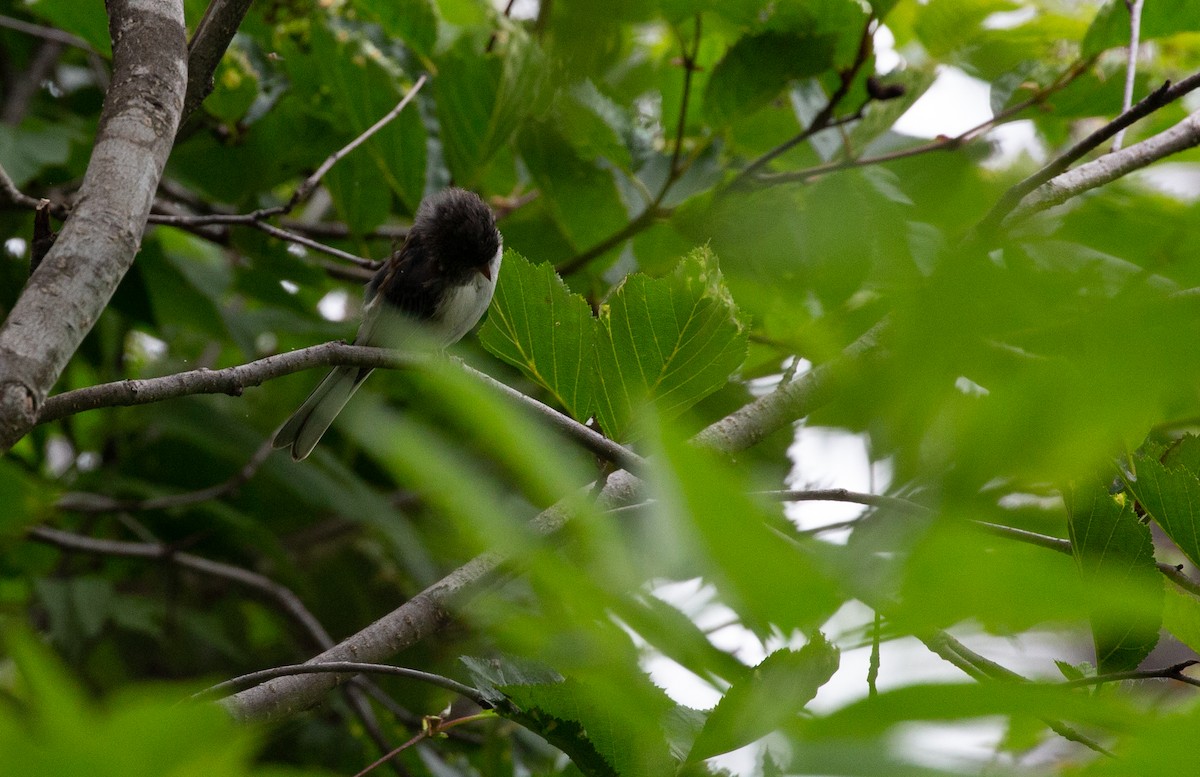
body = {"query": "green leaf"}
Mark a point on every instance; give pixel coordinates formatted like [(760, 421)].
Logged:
[(739, 544), (579, 717), (774, 694), (22, 497), (758, 67), (671, 341), (1116, 558), (235, 87), (1111, 26), (945, 26), (482, 99), (365, 85), (1168, 488), (537, 325), (413, 21), (55, 730), (32, 147), (1181, 617), (580, 193), (87, 20)]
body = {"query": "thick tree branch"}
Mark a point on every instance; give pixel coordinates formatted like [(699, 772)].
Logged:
[(232, 380), (208, 44), (96, 246), (428, 611), (1108, 168), (1164, 95)]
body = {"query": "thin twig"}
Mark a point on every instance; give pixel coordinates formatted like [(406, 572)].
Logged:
[(845, 495), (309, 184), (938, 144), (654, 209), (233, 380), (343, 667), (1173, 672), (47, 33), (10, 192), (822, 120), (282, 595), (1135, 40), (1059, 545), (102, 503), (980, 669)]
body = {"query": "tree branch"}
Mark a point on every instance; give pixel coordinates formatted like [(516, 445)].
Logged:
[(208, 44), (96, 247), (233, 380), (1135, 40), (428, 611), (1110, 167), (1164, 95), (348, 668)]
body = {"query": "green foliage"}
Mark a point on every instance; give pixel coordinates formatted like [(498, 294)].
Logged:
[(50, 727), (625, 146), (672, 340)]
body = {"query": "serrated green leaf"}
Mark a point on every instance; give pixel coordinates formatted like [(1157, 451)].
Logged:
[(775, 692), (671, 341), (537, 325), (1116, 558), (1169, 491), (582, 721)]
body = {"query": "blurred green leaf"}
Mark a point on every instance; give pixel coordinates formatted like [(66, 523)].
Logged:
[(738, 543), (537, 325), (758, 67), (1115, 554), (89, 22), (672, 340), (774, 693), (1111, 26)]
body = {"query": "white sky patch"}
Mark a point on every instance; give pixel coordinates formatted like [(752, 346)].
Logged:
[(831, 458), (15, 246), (969, 387), (289, 286), (146, 347), (334, 306)]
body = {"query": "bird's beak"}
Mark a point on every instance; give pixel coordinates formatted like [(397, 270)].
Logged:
[(486, 271)]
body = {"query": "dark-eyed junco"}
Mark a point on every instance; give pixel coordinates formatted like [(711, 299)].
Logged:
[(441, 282)]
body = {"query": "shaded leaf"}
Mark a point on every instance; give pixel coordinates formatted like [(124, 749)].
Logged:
[(758, 67), (1116, 558)]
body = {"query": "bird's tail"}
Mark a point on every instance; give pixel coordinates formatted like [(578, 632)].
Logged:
[(304, 429)]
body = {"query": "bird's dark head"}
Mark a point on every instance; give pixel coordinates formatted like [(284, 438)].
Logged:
[(459, 229)]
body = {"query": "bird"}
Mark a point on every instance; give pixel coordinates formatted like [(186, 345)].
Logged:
[(440, 282)]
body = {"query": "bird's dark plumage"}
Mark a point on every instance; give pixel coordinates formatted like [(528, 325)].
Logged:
[(441, 279)]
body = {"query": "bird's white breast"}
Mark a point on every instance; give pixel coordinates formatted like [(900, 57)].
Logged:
[(464, 305)]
